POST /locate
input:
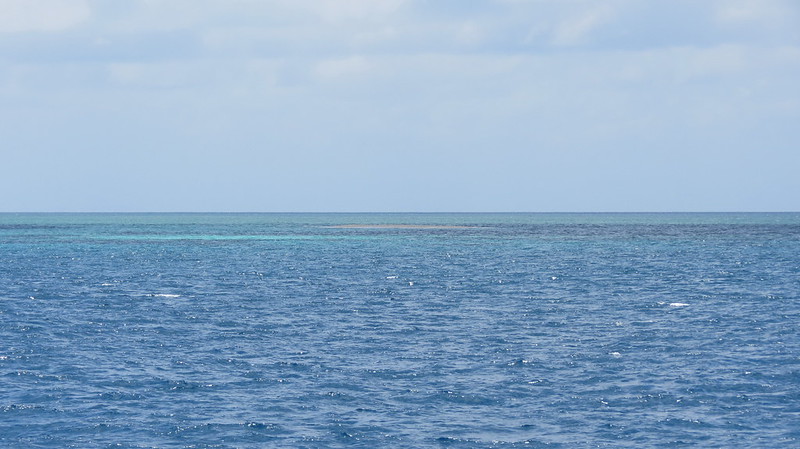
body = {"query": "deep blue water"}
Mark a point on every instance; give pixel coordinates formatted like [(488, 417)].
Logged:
[(517, 330)]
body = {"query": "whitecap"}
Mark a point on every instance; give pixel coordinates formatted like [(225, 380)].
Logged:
[(678, 304), (164, 295)]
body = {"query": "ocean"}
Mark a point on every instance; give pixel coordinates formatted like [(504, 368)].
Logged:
[(399, 330)]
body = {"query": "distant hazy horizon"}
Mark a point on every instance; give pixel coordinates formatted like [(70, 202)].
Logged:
[(400, 212)]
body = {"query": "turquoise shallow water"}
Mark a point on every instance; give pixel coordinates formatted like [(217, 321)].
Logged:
[(283, 330)]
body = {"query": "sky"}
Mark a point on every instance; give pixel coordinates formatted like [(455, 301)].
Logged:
[(399, 105)]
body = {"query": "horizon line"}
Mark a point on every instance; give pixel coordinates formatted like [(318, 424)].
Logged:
[(410, 212)]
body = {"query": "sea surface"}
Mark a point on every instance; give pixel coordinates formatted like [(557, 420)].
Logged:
[(454, 331)]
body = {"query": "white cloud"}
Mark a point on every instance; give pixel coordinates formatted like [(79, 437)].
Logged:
[(576, 30), (336, 10), (768, 21), (41, 15), (748, 11), (470, 33), (342, 68), (143, 15), (150, 75)]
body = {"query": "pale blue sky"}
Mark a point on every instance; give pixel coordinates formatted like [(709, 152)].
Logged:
[(399, 105)]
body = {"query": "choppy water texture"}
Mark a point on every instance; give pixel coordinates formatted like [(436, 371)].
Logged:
[(522, 330)]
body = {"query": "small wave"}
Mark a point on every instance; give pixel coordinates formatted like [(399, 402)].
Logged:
[(519, 362), (163, 295)]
